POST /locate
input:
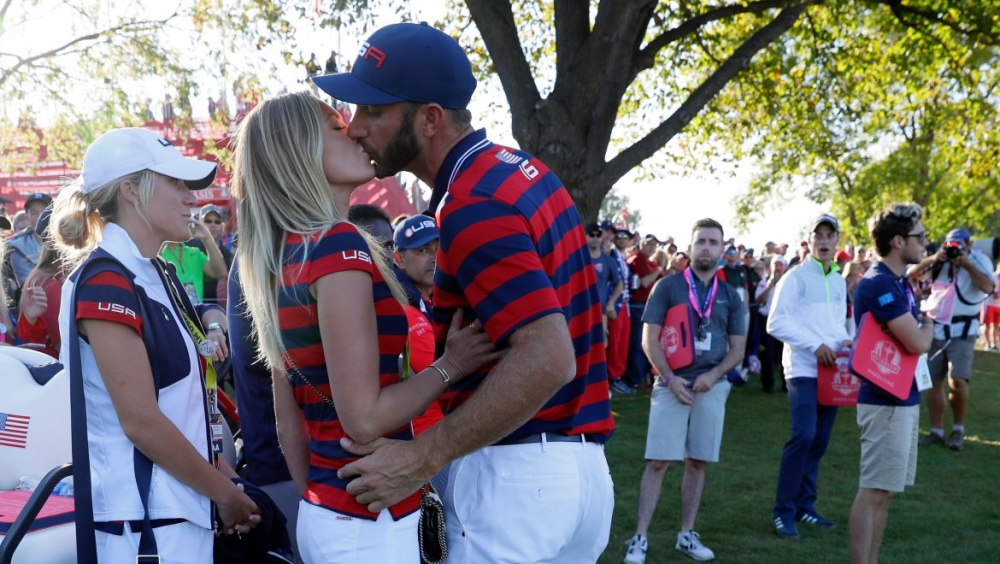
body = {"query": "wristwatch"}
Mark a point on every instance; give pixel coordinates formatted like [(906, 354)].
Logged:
[(214, 326)]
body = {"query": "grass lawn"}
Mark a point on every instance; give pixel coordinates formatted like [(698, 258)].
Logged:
[(951, 515)]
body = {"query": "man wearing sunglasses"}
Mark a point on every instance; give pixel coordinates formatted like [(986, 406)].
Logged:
[(215, 220), (688, 405)]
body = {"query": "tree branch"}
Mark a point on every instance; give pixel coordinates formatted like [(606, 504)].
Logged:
[(495, 21), (906, 14), (127, 26), (572, 24), (647, 56), (3, 14), (740, 59)]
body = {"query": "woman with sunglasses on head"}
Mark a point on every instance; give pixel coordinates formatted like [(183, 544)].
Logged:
[(329, 317), (139, 357)]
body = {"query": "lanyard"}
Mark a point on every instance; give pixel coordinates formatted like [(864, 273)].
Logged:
[(705, 310), (208, 370)]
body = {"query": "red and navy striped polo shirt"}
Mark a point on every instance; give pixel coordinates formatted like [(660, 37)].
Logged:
[(339, 249), (512, 251)]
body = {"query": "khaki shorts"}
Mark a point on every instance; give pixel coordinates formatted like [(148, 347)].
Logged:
[(888, 446), (958, 354), (678, 431)]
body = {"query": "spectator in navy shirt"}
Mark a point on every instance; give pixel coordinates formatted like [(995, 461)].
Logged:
[(888, 425)]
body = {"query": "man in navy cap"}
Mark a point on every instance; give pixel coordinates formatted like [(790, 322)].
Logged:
[(959, 269), (513, 255), (416, 245)]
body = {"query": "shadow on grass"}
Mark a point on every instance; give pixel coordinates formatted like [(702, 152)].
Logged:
[(951, 514)]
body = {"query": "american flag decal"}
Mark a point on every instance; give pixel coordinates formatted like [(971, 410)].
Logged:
[(13, 430)]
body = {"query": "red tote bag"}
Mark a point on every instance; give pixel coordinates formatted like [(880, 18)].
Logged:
[(881, 360), (677, 338)]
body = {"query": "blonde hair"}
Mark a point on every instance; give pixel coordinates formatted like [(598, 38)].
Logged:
[(78, 218), (280, 188)]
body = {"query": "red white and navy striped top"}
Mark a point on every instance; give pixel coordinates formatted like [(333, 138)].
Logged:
[(340, 249), (512, 251)]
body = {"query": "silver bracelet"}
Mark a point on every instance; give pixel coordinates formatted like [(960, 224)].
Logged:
[(443, 372)]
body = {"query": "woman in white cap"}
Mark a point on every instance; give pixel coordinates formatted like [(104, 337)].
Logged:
[(328, 313), (139, 358)]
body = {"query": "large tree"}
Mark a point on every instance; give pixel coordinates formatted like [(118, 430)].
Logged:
[(596, 92)]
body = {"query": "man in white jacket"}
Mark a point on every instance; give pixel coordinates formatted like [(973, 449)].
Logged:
[(809, 314)]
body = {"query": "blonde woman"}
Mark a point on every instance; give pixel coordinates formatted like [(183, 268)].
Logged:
[(135, 361), (329, 317)]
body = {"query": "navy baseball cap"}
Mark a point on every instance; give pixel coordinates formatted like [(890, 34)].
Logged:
[(415, 232), (607, 225), (959, 234), (38, 197), (405, 62)]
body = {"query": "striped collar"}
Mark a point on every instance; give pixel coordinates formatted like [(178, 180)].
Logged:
[(467, 148)]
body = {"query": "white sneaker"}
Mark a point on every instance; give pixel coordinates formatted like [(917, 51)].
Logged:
[(690, 544), (636, 553)]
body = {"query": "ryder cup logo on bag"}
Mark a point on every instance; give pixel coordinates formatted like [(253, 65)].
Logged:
[(845, 383), (670, 340), (886, 357)]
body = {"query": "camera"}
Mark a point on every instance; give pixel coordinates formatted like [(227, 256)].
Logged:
[(953, 249)]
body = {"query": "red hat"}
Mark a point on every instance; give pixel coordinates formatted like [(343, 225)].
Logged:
[(842, 255)]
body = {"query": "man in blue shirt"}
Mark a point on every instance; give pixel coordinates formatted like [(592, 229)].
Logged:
[(888, 426)]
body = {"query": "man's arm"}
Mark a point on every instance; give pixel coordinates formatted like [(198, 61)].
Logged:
[(540, 360), (733, 358), (783, 319), (915, 336), (983, 281)]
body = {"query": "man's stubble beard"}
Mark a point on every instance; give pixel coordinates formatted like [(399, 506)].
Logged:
[(402, 149)]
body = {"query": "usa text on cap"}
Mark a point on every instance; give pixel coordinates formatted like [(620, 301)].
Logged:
[(120, 152), (415, 232), (405, 61)]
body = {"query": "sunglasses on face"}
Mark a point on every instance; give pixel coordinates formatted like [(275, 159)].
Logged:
[(622, 236), (594, 234), (213, 221)]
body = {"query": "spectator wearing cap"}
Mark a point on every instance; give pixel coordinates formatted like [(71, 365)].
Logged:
[(808, 313), (414, 255), (513, 255), (771, 348), (678, 262), (645, 273), (959, 269), (24, 247), (609, 283), (38, 320), (620, 323), (415, 243), (214, 218), (843, 257), (733, 273)]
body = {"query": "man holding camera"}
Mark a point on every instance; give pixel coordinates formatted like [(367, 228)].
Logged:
[(958, 268)]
